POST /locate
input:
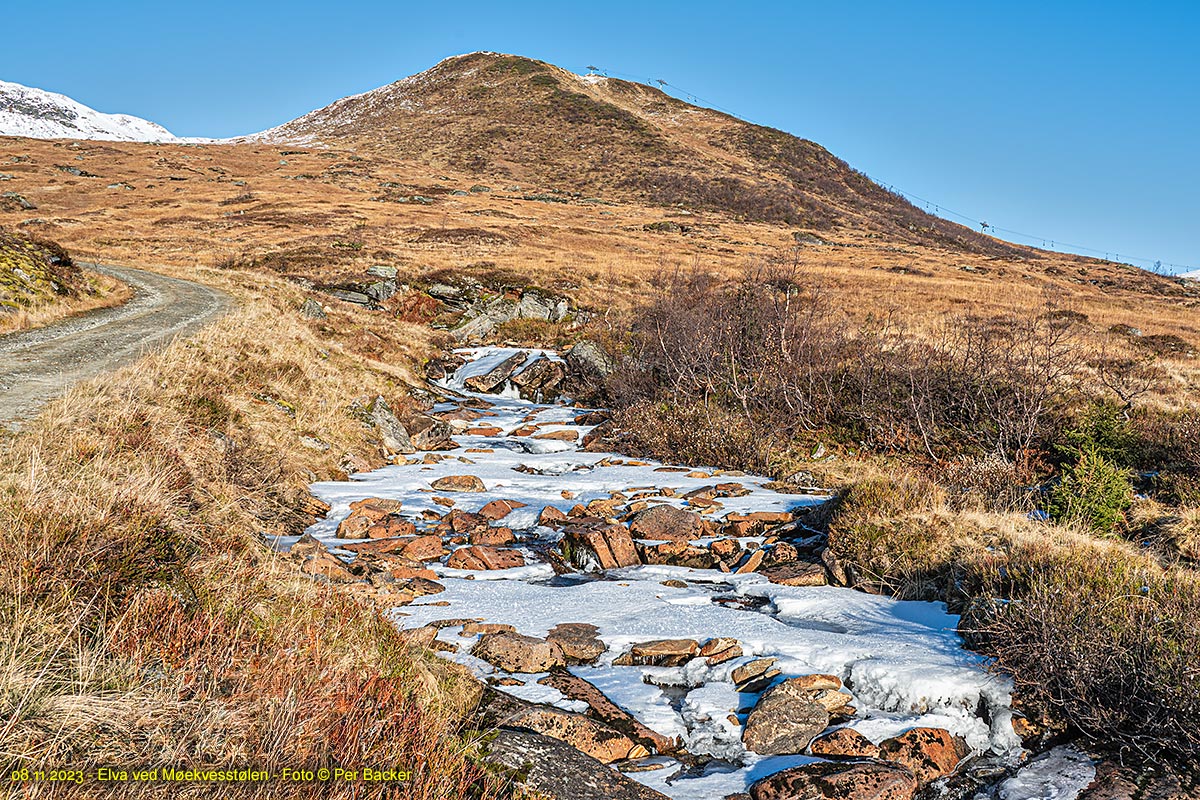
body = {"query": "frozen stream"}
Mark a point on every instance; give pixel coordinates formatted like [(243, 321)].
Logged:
[(903, 662)]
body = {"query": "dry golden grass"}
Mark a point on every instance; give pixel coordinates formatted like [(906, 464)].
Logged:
[(149, 624), (106, 292), (194, 206)]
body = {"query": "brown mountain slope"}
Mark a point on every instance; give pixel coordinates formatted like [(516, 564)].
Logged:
[(529, 122)]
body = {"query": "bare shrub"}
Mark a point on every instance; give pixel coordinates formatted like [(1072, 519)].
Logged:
[(778, 350), (1108, 640)]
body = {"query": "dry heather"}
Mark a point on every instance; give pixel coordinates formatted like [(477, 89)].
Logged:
[(1098, 636), (149, 624)]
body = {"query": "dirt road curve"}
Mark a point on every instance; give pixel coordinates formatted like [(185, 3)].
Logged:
[(38, 365)]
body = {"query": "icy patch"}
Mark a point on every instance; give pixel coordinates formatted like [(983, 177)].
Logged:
[(902, 662), (1061, 774)]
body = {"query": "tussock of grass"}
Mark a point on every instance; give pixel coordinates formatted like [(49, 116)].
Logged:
[(149, 624)]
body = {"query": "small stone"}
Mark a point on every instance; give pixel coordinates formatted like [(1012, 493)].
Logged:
[(844, 743), (459, 483)]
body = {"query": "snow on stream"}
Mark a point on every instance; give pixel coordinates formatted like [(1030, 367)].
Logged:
[(902, 661)]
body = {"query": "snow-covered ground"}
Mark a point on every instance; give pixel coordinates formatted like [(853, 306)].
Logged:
[(38, 114), (903, 662)]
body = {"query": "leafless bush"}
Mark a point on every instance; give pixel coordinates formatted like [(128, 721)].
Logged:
[(779, 351)]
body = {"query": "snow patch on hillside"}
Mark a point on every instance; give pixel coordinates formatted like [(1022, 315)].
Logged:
[(38, 114)]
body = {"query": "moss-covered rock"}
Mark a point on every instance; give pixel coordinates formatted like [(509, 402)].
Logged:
[(35, 272)]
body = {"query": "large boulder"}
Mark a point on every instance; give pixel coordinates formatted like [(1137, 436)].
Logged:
[(858, 781), (547, 767), (427, 432), (600, 741), (494, 379), (667, 522), (784, 721), (589, 360), (541, 381), (591, 547), (393, 435), (514, 652)]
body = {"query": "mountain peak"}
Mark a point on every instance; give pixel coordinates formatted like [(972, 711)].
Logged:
[(38, 114), (524, 121)]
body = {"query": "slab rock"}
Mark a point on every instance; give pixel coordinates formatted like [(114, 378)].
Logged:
[(785, 720), (494, 380), (929, 753), (553, 769), (660, 653), (667, 522), (600, 741), (606, 710), (514, 652), (482, 557), (859, 781)]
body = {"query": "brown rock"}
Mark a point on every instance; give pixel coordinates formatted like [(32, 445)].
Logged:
[(784, 721), (598, 740), (499, 509), (717, 644), (404, 572), (493, 537), (513, 652), (305, 546), (459, 483), (329, 567), (484, 430), (391, 527), (818, 681), (751, 562), (929, 753), (560, 435), (844, 743), (353, 527), (752, 669), (677, 553), (795, 573), (660, 653), (422, 548), (541, 381), (578, 641), (420, 637), (859, 781), (551, 517), (606, 547), (419, 587), (480, 557), (724, 548), (667, 522), (606, 710)]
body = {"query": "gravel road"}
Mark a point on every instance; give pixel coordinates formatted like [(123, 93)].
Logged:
[(40, 364)]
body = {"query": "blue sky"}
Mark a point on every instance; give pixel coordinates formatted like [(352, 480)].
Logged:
[(1076, 121)]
